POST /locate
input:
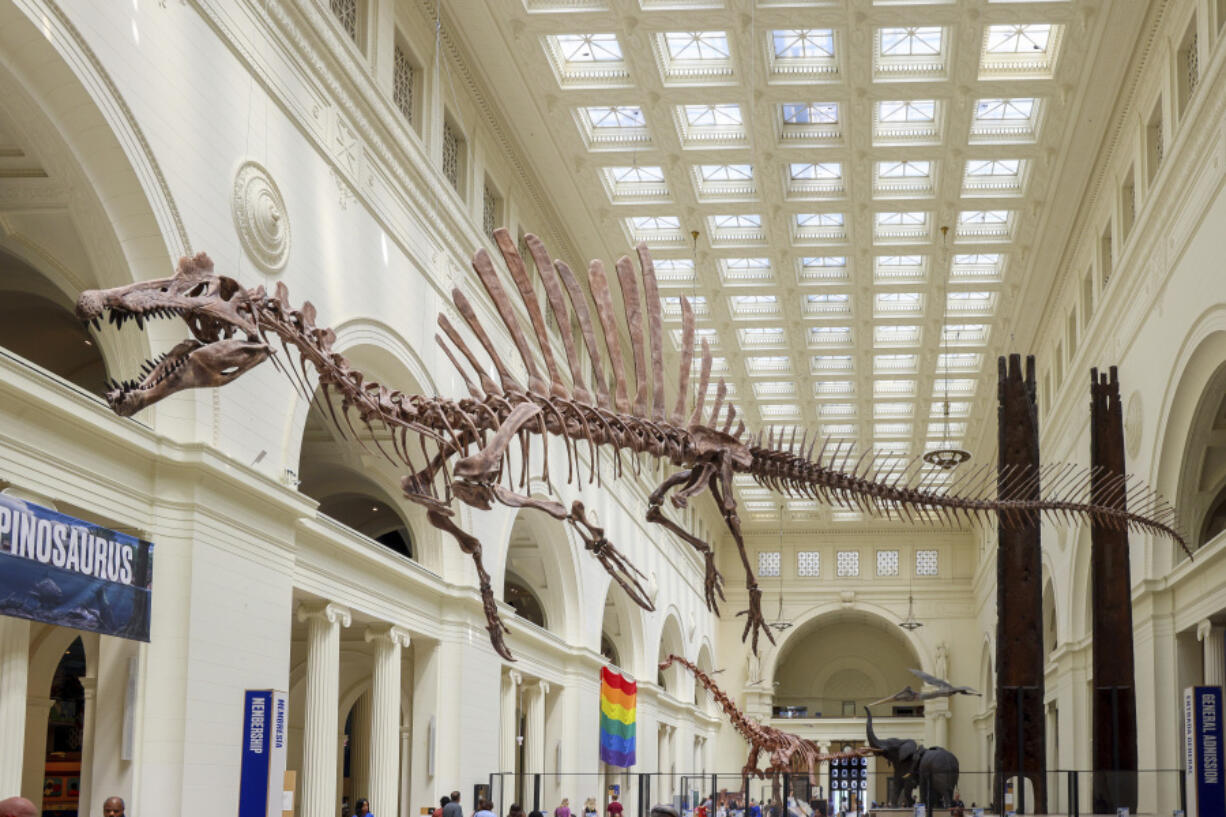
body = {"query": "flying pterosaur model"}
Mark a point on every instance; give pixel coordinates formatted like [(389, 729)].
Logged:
[(944, 689)]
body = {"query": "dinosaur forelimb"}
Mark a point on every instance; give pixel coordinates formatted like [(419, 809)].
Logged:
[(472, 546), (613, 561), (692, 480), (755, 623)]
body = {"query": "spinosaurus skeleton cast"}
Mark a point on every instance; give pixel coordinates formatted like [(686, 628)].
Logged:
[(464, 445), (787, 752)]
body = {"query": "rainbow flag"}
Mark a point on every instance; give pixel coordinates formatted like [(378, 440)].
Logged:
[(617, 702)]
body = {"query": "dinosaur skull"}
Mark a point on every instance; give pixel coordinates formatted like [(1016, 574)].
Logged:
[(215, 308)]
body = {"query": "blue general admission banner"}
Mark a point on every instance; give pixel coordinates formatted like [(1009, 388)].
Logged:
[(60, 570)]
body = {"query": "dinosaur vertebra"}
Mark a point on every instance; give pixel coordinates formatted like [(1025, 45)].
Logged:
[(787, 752), (473, 436)]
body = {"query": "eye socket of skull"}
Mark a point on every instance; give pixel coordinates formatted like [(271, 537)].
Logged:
[(227, 287)]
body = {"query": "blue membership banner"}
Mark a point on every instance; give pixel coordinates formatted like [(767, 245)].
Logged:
[(61, 570), (1203, 735), (265, 740)]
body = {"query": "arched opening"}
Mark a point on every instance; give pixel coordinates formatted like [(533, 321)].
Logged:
[(702, 698), (608, 650), (538, 575), (38, 324), (1050, 641), (65, 730), (621, 631), (837, 664), (527, 605), (671, 643), (356, 502)]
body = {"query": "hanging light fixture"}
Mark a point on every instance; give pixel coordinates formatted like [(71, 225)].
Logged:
[(947, 456), (910, 622), (779, 624)]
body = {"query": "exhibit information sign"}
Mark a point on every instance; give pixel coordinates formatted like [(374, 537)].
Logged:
[(61, 570), (265, 725), (1203, 736)]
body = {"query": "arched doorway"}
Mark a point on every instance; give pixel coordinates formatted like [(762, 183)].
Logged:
[(65, 734)]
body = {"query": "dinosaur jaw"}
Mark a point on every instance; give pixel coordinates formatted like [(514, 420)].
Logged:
[(191, 364)]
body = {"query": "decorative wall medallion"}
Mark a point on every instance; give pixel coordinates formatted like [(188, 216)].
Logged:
[(260, 218), (1133, 418)]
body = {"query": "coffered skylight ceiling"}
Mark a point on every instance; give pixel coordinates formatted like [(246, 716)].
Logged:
[(866, 178)]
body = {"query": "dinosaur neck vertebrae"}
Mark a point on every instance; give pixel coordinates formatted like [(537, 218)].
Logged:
[(462, 449), (787, 752)]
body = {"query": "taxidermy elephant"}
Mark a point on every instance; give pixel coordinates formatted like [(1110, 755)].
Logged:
[(934, 770)]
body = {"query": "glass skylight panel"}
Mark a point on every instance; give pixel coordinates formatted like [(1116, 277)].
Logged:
[(1017, 39), (615, 116), (644, 223), (957, 408), (712, 115), (779, 411), (819, 220), (674, 271), (752, 306), (588, 47), (910, 41), (958, 361), (895, 335), (637, 174), (774, 389), (894, 363), (1005, 110), (892, 410), (671, 306), (983, 225), (983, 217), (971, 303), (993, 177), (895, 303), (810, 113), (768, 364), (823, 269), (636, 183), (891, 429), (890, 269), (904, 218), (725, 173), (745, 270), (993, 167), (825, 304), (697, 45), (825, 364), (803, 43), (834, 388), (1013, 50), (958, 387), (735, 222), (893, 388), (964, 334), (815, 170), (903, 169), (956, 431), (832, 411), (829, 335), (907, 110), (976, 266), (759, 336)]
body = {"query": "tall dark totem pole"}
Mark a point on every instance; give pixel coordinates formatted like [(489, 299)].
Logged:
[(1115, 705), (1020, 728)]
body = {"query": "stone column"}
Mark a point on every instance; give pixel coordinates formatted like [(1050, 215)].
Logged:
[(89, 683), (509, 734), (38, 712), (1210, 635), (385, 693), (318, 791), (360, 753), (534, 733), (14, 674)]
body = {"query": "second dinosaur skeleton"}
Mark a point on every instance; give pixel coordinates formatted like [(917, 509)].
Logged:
[(460, 449), (786, 752)]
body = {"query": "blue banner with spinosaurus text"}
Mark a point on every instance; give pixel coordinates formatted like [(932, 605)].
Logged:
[(60, 570)]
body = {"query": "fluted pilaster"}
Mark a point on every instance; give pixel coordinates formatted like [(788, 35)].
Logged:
[(319, 745), (360, 750), (385, 692), (1210, 635), (14, 673)]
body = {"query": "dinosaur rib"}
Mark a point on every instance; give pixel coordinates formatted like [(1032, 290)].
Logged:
[(509, 383), (687, 357), (557, 303), (634, 322), (484, 268), (655, 331), (604, 310), (519, 274), (579, 303)]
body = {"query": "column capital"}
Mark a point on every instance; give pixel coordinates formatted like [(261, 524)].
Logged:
[(89, 683), (384, 631), (39, 702), (1205, 628), (543, 686), (517, 677), (328, 611)]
